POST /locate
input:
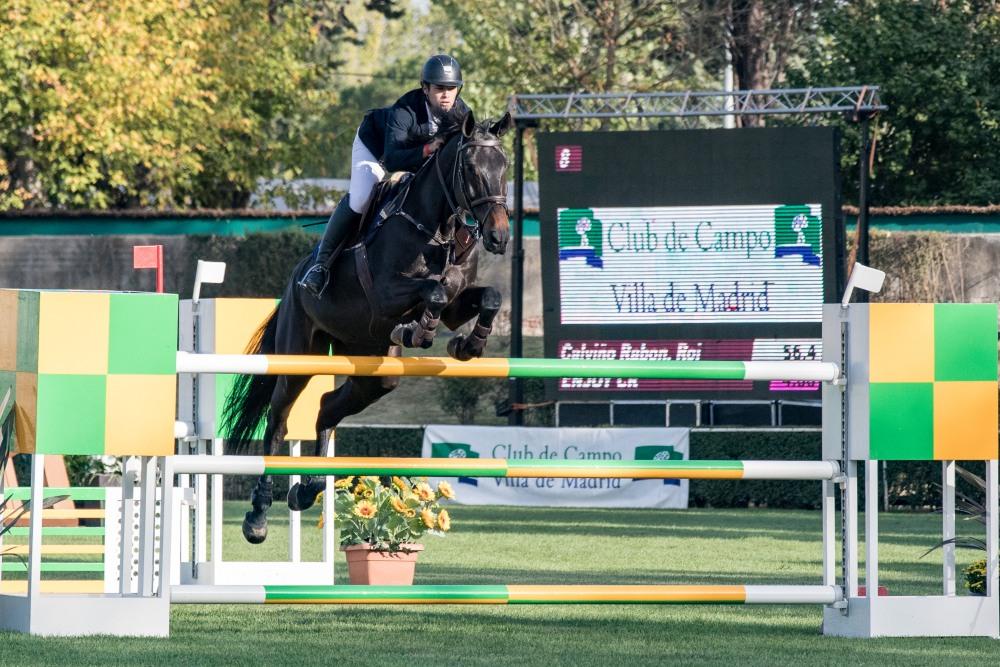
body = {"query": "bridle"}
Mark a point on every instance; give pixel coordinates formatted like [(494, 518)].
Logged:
[(459, 212)]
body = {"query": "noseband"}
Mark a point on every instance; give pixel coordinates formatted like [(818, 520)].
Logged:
[(459, 212)]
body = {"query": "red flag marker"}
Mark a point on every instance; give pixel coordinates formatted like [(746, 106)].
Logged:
[(149, 257)]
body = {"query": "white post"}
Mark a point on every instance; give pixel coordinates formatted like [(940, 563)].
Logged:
[(217, 510), (147, 525), (329, 545), (184, 482), (992, 531), (871, 528), (294, 518), (850, 522), (127, 527), (200, 512), (948, 525), (829, 509), (167, 525), (35, 527)]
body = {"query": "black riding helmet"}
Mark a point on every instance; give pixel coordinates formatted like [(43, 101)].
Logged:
[(442, 70)]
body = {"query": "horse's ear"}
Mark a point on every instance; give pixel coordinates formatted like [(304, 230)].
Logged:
[(469, 124), (501, 127)]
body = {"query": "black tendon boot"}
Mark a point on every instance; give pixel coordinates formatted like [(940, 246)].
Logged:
[(338, 227)]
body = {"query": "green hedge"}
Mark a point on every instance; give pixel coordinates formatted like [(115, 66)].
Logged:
[(257, 265), (912, 484)]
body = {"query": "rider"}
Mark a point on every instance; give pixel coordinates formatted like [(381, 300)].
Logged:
[(396, 138)]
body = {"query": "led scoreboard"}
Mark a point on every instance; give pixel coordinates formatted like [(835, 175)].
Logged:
[(688, 244)]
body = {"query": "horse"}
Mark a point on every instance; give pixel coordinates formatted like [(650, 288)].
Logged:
[(422, 271)]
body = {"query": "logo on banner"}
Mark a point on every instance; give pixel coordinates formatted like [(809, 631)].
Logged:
[(581, 235), (455, 450), (659, 453), (797, 232)]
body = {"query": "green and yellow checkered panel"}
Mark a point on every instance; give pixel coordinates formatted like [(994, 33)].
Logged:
[(90, 372), (933, 381)]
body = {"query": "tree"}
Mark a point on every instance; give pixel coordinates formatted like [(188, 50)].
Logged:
[(576, 45), (97, 97), (162, 103), (937, 63), (761, 37)]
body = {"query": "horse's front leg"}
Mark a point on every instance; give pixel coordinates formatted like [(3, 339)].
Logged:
[(482, 301), (421, 332), (287, 389)]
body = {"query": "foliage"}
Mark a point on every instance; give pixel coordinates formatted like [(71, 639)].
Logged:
[(926, 267), (258, 264), (761, 38), (161, 103), (84, 470), (937, 63), (975, 510), (389, 517), (911, 483), (396, 441), (461, 396), (565, 45), (975, 577)]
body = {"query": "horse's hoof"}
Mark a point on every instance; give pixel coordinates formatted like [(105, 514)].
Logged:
[(255, 532), (458, 348), (299, 498), (454, 345), (402, 335)]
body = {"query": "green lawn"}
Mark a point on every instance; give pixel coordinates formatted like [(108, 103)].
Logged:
[(511, 545)]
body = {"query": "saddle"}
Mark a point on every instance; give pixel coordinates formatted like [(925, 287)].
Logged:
[(386, 200)]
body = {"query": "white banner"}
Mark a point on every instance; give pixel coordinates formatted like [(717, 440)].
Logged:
[(503, 442), (680, 264)]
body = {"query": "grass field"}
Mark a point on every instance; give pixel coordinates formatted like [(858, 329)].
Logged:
[(511, 545)]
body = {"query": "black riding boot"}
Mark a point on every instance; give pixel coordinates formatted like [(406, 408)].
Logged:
[(340, 224)]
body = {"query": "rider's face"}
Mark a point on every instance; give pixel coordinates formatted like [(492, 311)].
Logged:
[(441, 98)]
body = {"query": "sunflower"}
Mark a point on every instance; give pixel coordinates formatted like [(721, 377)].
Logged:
[(424, 492), (444, 488), (428, 518), (444, 521), (400, 484), (344, 483), (365, 509), (399, 505)]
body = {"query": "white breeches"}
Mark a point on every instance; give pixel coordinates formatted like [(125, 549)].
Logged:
[(366, 172)]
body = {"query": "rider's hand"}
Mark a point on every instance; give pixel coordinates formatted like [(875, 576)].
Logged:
[(429, 148)]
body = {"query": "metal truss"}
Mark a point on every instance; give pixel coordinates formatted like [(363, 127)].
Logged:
[(857, 100)]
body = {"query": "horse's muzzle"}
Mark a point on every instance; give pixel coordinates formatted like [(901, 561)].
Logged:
[(495, 241), (496, 232)]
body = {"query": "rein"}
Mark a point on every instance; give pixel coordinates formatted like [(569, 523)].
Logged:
[(459, 213)]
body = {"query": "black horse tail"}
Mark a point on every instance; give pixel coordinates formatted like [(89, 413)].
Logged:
[(249, 400)]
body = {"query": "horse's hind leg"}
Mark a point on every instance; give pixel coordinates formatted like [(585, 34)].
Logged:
[(286, 391), (356, 394), (420, 333), (482, 301)]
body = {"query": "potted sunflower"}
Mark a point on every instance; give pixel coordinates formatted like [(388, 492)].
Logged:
[(381, 525)]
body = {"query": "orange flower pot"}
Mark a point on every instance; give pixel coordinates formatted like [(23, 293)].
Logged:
[(365, 566)]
